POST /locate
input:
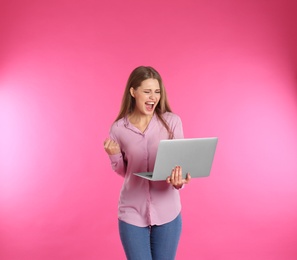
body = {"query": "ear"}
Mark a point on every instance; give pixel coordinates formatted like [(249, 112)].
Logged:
[(132, 92)]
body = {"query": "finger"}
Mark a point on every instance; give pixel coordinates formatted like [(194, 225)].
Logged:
[(168, 179), (174, 177), (109, 143), (106, 143), (188, 178), (174, 174), (114, 143), (178, 175)]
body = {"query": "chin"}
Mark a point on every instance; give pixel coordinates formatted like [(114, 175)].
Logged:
[(149, 113)]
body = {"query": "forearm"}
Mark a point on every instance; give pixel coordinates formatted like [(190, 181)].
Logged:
[(118, 164)]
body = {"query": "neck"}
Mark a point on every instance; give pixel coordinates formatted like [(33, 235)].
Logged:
[(140, 121)]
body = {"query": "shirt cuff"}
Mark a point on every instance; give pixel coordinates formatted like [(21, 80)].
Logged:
[(115, 157)]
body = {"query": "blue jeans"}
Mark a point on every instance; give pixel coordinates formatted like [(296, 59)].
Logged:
[(152, 242)]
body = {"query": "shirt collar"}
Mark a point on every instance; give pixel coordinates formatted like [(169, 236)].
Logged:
[(130, 126)]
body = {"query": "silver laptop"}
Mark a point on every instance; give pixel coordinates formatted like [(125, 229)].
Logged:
[(194, 155)]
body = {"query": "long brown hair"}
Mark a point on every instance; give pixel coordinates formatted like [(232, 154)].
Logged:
[(135, 79)]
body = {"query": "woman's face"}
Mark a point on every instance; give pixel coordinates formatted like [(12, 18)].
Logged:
[(147, 96)]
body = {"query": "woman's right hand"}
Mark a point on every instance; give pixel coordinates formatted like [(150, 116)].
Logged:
[(111, 147)]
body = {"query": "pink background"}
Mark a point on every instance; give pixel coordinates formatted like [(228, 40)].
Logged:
[(230, 68)]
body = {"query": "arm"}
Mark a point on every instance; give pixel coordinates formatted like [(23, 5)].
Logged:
[(113, 150)]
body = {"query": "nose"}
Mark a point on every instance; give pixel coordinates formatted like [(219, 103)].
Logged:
[(152, 96)]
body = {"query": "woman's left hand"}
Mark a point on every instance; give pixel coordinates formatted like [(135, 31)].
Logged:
[(176, 179)]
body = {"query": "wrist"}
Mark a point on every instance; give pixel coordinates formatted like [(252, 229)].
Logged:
[(178, 187)]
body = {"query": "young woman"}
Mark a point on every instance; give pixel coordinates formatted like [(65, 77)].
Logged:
[(149, 212)]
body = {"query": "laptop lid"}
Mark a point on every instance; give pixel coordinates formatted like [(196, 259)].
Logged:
[(194, 155)]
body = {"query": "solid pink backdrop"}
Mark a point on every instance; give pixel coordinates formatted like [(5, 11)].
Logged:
[(230, 71)]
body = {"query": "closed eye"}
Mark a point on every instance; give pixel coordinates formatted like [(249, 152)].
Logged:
[(148, 91)]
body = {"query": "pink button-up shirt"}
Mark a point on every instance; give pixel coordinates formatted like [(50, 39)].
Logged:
[(143, 202)]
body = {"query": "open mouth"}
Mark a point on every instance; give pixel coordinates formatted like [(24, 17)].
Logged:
[(150, 105)]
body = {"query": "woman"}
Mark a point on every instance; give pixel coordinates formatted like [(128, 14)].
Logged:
[(149, 212)]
